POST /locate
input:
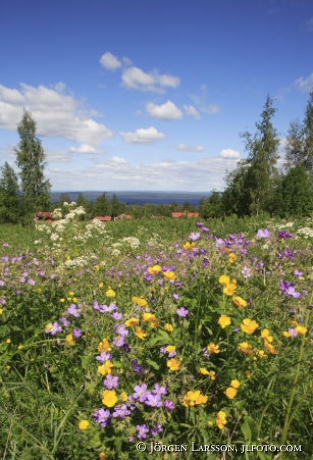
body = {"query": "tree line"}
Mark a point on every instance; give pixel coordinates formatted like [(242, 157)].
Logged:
[(256, 187)]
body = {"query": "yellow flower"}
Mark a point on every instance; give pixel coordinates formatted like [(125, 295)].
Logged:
[(101, 285), (174, 364), (8, 340), (224, 321), (301, 330), (232, 258), (151, 318), (212, 375), (105, 368), (241, 303), (235, 383), (140, 301), (1, 311), (103, 456), (271, 348), (189, 245), (132, 322), (193, 398), (170, 348), (171, 276), (261, 354), (231, 392), (109, 398), (245, 347), (124, 396), (266, 335), (104, 346), (20, 347), (212, 348), (204, 371), (230, 289), (169, 327), (140, 333), (221, 420), (249, 325), (155, 269), (83, 425), (70, 340), (224, 279), (110, 293)]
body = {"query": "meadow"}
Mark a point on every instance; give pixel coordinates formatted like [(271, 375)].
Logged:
[(190, 339)]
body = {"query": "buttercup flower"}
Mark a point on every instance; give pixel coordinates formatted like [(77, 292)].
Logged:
[(83, 425), (231, 392), (174, 364), (249, 326), (221, 420), (224, 321), (109, 398), (212, 348), (241, 303)]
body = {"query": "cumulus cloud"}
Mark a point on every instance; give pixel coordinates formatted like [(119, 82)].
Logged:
[(190, 148), (136, 78), (305, 84), (166, 111), (109, 61), (191, 110), (230, 154), (143, 136), (56, 114)]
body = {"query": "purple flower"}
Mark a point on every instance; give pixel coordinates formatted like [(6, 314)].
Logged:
[(298, 273), (53, 329), (122, 330), (65, 322), (77, 333), (31, 282), (264, 233), (176, 295), (142, 431), (182, 312), (289, 289), (137, 367), (74, 310), (104, 356), (160, 390), (194, 236), (140, 392), (284, 234), (116, 315), (156, 429), (200, 224), (168, 404), (121, 411), (153, 400), (103, 417), (119, 341), (111, 381)]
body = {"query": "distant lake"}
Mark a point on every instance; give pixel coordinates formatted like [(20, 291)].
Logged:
[(139, 197)]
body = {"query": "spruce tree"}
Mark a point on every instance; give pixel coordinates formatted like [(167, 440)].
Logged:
[(31, 162), (9, 194)]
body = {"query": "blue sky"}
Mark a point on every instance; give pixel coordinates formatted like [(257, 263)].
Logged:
[(150, 95)]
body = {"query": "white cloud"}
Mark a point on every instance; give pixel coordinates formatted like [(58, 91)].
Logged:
[(56, 114), (190, 148), (166, 111), (203, 174), (84, 148), (191, 110), (305, 84), (110, 62), (230, 154), (143, 136), (136, 78)]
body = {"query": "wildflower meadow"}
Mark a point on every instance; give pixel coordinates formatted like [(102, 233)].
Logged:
[(156, 339)]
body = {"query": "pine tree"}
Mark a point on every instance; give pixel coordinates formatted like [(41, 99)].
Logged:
[(296, 193), (31, 161)]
